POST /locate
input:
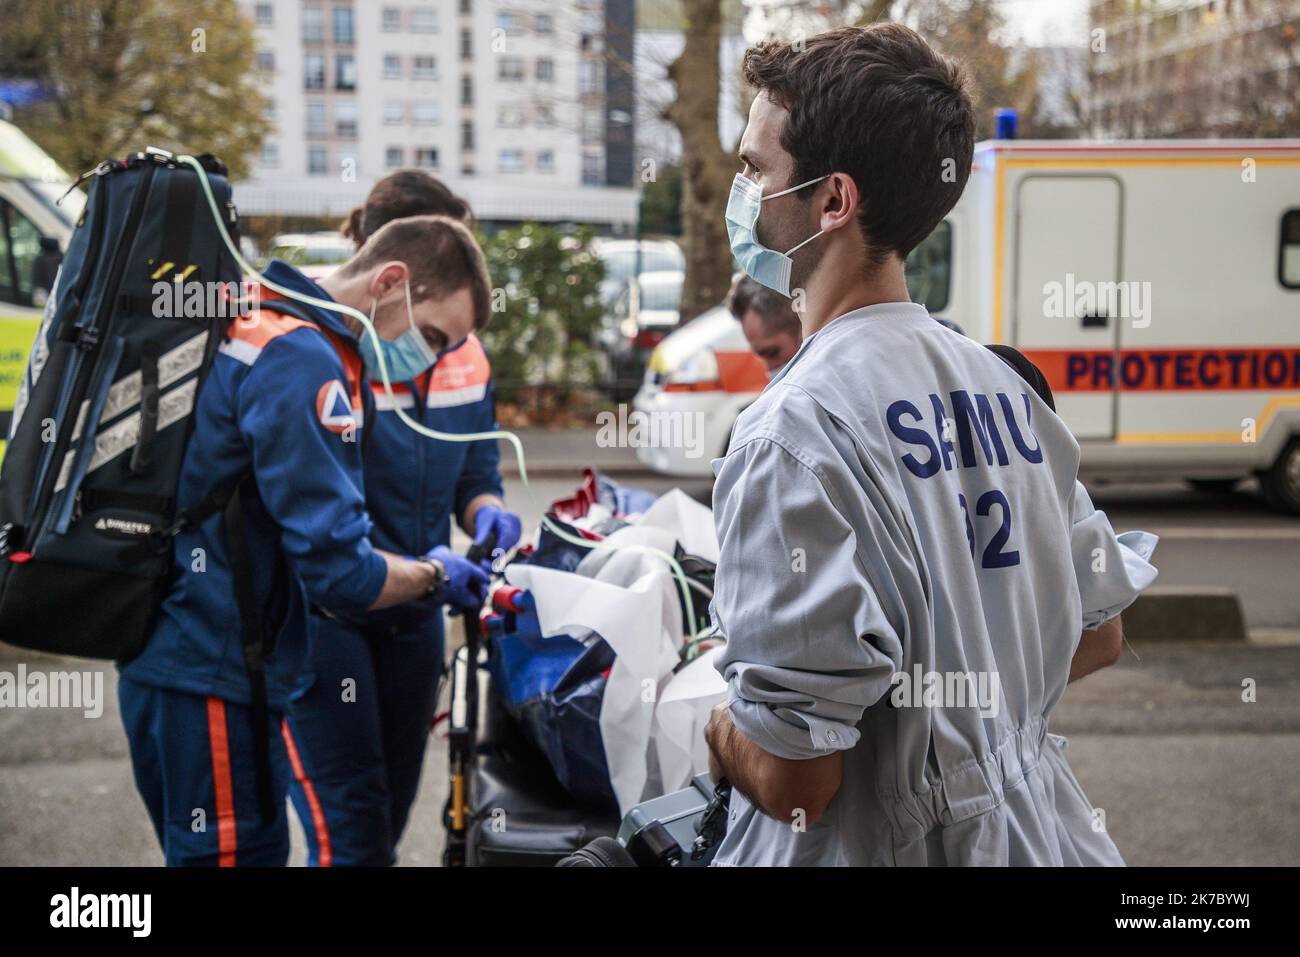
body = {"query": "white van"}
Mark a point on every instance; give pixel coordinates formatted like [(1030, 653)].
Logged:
[(34, 233), (1156, 283)]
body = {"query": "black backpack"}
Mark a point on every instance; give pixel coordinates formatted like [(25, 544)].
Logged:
[(104, 413)]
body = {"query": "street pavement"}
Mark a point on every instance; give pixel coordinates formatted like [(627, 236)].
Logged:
[(1185, 770)]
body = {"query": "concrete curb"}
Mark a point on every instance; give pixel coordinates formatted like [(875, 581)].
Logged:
[(1185, 613)]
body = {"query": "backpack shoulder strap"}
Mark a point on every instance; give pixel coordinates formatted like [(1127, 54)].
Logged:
[(1026, 370)]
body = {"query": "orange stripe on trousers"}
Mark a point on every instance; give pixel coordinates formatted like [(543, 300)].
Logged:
[(220, 742), (324, 857)]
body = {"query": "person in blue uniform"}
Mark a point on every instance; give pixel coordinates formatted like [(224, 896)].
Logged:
[(361, 725), (282, 414)]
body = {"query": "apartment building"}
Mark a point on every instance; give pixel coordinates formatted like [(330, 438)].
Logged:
[(1176, 68), (524, 107)]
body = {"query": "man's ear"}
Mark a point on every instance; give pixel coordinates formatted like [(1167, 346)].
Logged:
[(839, 203), (389, 276)]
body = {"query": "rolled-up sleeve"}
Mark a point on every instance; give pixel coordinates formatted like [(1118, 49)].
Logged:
[(808, 648), (1112, 570)]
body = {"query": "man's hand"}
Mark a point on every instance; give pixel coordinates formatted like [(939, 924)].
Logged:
[(1097, 649), (492, 520), (407, 580), (466, 584), (779, 787)]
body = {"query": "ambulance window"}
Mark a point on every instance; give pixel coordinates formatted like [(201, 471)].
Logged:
[(929, 269), (1288, 256), (20, 248)]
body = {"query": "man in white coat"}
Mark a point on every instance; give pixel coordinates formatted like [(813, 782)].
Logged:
[(910, 571)]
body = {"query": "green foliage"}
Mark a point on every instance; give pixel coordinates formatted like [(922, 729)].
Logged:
[(546, 308), (125, 74)]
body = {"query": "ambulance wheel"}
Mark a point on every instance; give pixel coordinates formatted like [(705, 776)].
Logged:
[(1213, 486), (1281, 483)]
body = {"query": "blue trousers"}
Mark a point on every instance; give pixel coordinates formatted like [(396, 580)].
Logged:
[(357, 737), (194, 766)]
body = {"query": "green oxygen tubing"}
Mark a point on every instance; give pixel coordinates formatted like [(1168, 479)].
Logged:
[(683, 583)]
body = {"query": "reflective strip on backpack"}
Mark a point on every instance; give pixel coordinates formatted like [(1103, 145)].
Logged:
[(173, 406), (124, 394)]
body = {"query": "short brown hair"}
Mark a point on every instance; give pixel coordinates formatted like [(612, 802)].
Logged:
[(441, 254), (878, 104), (407, 192), (775, 310)]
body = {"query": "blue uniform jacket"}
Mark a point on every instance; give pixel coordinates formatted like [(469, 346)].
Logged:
[(415, 485), (283, 400)]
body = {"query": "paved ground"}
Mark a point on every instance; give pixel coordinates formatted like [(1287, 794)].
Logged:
[(1186, 772)]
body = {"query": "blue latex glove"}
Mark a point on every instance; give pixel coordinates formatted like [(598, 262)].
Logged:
[(506, 525), (467, 582)]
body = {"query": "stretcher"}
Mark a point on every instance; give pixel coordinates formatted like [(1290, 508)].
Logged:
[(506, 807)]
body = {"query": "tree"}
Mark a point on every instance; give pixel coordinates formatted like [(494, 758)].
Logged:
[(707, 169), (968, 31), (119, 75), (546, 308)]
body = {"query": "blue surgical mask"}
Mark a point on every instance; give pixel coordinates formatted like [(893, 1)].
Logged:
[(405, 357), (761, 264)]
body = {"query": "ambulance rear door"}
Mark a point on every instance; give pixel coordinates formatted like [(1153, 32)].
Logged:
[(1066, 249)]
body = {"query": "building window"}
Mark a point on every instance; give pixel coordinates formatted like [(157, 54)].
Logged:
[(467, 135), (424, 112), (269, 112), (589, 76), (345, 119), (343, 25), (591, 169), (270, 154), (593, 124), (313, 71), (510, 161), (426, 157), (1288, 254), (467, 90), (510, 116), (424, 20), (391, 21), (545, 70), (544, 23), (512, 24), (266, 61), (394, 113), (264, 15), (426, 68), (317, 161), (544, 116), (510, 69), (546, 161), (392, 66), (394, 156), (315, 117), (466, 7), (466, 45), (345, 72), (313, 25)]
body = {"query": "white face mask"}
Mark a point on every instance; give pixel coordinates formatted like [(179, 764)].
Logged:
[(761, 264)]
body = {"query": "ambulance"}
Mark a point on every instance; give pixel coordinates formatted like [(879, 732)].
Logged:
[(1156, 283), (34, 232)]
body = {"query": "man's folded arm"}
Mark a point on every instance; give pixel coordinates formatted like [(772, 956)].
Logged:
[(808, 646)]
